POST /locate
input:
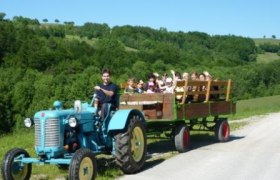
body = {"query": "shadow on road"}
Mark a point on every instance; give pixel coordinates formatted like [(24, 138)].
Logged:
[(202, 140), (157, 152), (163, 149)]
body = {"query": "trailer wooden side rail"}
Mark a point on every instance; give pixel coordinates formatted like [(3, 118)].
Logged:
[(216, 100)]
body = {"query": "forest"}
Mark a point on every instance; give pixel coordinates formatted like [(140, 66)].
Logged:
[(44, 62)]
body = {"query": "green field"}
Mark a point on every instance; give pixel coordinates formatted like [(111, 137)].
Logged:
[(91, 42), (259, 41), (267, 57), (107, 168), (257, 106)]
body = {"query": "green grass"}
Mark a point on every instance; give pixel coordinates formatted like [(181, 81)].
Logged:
[(267, 57), (257, 106), (25, 140), (107, 169), (91, 42), (259, 41), (129, 49)]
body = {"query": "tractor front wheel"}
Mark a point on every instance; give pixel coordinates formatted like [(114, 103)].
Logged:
[(131, 146), (12, 169), (83, 165)]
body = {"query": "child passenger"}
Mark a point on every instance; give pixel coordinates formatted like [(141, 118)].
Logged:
[(140, 89), (168, 88), (151, 84), (151, 88), (130, 89)]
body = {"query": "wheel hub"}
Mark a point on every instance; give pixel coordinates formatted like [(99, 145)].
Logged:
[(137, 144), (86, 168)]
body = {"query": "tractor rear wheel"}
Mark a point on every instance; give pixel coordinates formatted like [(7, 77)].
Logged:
[(131, 146), (83, 165), (222, 130), (12, 170), (182, 138)]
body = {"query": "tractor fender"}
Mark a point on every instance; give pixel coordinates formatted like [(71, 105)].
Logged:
[(121, 117)]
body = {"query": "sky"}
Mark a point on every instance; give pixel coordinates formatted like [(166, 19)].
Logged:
[(247, 18)]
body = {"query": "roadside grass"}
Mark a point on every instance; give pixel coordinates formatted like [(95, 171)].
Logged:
[(25, 140), (257, 106), (160, 148)]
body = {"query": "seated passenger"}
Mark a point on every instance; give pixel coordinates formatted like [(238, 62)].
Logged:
[(139, 88), (176, 76), (201, 97), (185, 76), (202, 78), (164, 77), (168, 88), (208, 76), (194, 77), (130, 89), (151, 88), (179, 88), (161, 85), (152, 80)]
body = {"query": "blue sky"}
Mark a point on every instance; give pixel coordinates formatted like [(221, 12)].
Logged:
[(248, 18)]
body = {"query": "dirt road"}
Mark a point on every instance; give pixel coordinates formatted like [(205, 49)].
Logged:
[(253, 153)]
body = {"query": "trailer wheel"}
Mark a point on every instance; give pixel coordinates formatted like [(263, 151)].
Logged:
[(131, 146), (222, 130), (83, 165), (13, 170), (182, 138)]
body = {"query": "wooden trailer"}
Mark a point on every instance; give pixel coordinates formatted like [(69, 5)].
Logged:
[(196, 105)]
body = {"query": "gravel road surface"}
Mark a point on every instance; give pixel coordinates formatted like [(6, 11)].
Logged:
[(252, 153)]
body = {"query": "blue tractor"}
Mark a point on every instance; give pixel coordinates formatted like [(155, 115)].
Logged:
[(70, 138)]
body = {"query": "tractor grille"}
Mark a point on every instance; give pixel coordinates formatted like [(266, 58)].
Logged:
[(51, 133), (37, 132)]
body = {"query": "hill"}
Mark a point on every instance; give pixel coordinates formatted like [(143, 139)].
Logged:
[(40, 63)]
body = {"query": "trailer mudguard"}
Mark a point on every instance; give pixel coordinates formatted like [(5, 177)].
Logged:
[(121, 117)]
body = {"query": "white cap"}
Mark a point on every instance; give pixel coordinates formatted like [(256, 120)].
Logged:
[(169, 79)]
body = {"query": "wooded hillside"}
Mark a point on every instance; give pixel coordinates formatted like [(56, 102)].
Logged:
[(40, 63)]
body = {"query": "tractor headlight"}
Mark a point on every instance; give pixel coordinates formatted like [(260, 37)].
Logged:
[(28, 122), (72, 122)]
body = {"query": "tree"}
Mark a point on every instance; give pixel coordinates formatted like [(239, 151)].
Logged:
[(56, 21), (111, 55), (273, 36), (45, 20), (141, 69), (2, 15), (94, 30)]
